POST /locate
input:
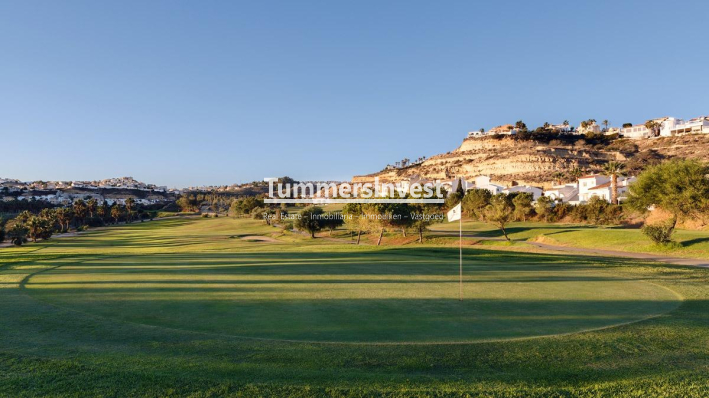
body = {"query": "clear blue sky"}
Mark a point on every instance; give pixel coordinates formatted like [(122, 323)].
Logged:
[(216, 92)]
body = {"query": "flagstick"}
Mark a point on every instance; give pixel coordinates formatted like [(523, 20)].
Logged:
[(460, 247)]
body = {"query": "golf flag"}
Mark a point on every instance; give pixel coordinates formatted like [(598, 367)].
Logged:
[(454, 214)]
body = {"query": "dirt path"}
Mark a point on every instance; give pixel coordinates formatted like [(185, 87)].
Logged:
[(693, 262)]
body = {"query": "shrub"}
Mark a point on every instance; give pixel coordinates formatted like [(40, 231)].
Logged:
[(660, 233), (205, 215)]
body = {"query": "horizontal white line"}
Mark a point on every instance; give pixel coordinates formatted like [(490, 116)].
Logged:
[(326, 201)]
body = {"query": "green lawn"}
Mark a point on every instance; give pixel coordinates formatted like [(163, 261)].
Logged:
[(692, 244), (199, 307)]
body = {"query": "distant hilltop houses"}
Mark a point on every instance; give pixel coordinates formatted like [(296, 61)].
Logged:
[(659, 127), (62, 192), (579, 192)]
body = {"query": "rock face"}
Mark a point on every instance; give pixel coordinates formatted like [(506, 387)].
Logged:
[(508, 161)]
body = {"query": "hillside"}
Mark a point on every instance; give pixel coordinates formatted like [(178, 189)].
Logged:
[(509, 160)]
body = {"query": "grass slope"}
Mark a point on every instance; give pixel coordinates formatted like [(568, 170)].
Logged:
[(691, 244), (151, 310)]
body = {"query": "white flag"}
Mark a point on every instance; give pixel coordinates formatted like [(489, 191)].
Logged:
[(454, 213)]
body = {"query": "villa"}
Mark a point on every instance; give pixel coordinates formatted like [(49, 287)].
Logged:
[(534, 191), (636, 132), (483, 182), (600, 185), (565, 193), (673, 126), (507, 129)]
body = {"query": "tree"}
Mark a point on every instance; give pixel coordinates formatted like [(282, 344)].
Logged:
[(523, 205), (373, 219), (679, 187), (103, 210), (116, 212), (500, 212), (310, 220), (63, 216), (653, 126), (520, 126), (38, 228), (398, 216), (626, 125), (188, 203), (245, 205), (575, 173), (80, 210), (17, 234), (613, 169), (130, 207), (423, 215), (543, 207), (3, 222), (558, 177), (91, 206), (352, 214), (475, 202), (23, 216), (331, 221), (605, 125)]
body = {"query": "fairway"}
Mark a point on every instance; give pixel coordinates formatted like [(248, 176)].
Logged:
[(362, 296), (212, 307)]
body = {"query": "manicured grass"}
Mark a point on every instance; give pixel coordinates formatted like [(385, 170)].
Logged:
[(156, 309), (692, 244)]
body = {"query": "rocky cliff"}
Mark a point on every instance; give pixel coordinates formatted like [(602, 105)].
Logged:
[(510, 161)]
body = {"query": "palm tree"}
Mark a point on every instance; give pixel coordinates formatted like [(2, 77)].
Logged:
[(91, 205), (613, 169), (558, 177), (80, 209), (575, 174), (653, 126), (116, 212), (605, 124), (130, 205)]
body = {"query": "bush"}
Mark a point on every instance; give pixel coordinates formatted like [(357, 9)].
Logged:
[(659, 233), (205, 215)]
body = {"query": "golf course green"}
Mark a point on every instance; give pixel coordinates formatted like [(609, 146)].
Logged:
[(221, 306)]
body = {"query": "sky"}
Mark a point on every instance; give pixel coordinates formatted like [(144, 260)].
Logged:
[(183, 93)]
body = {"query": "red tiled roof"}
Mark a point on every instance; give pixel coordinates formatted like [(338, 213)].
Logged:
[(606, 185)]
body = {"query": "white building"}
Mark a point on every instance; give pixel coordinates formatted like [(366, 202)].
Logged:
[(673, 126), (560, 128), (600, 185), (507, 129), (591, 128), (564, 193), (534, 191), (636, 132), (475, 134), (604, 190), (586, 183), (483, 182)]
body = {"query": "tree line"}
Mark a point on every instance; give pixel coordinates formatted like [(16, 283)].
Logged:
[(29, 225)]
